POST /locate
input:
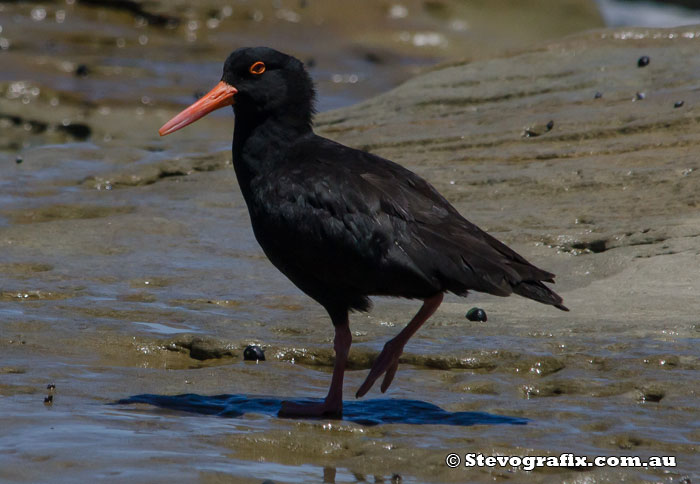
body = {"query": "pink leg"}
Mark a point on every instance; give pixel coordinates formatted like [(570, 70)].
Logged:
[(388, 359), (333, 404)]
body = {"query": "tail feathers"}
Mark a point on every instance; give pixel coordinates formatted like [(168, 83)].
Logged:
[(528, 272), (537, 291)]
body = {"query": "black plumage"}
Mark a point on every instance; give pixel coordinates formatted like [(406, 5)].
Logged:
[(343, 224)]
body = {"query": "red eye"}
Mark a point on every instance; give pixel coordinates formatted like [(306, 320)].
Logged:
[(257, 68)]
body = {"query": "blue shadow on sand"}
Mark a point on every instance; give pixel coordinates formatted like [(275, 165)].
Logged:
[(366, 412)]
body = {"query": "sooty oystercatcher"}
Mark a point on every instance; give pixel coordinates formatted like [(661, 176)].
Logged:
[(343, 224)]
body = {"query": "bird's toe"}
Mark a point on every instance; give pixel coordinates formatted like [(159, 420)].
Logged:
[(387, 361), (389, 376)]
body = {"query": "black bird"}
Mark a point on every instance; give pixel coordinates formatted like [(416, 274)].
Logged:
[(343, 224)]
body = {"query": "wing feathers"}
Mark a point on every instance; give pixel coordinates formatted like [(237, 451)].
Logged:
[(406, 237)]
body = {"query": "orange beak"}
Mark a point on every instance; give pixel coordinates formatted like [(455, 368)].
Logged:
[(220, 96)]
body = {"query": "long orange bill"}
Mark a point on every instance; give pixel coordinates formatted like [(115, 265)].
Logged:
[(222, 95)]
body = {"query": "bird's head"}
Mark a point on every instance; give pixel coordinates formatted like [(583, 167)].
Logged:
[(259, 82)]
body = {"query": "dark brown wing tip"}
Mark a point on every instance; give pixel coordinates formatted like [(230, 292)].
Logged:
[(561, 306)]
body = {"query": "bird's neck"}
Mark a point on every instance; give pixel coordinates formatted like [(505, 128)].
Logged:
[(260, 144)]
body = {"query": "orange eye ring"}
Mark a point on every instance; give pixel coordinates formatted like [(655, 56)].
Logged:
[(257, 68)]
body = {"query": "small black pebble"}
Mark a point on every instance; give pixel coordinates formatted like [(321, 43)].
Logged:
[(396, 479), (476, 314), (51, 386), (550, 125), (678, 104), (77, 130), (48, 399), (639, 96), (253, 353), (598, 95), (82, 70), (651, 395), (373, 58), (19, 160), (643, 61)]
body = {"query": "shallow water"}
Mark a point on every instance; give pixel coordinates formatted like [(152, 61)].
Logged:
[(132, 282)]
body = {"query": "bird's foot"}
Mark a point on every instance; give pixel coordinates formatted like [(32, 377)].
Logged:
[(326, 408), (387, 361)]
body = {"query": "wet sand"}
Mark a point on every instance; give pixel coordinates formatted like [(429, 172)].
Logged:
[(130, 272)]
